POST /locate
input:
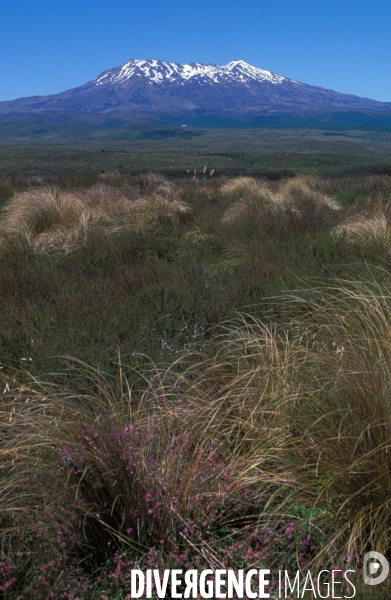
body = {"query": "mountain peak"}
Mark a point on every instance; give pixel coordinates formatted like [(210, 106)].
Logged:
[(159, 88), (238, 61), (157, 72)]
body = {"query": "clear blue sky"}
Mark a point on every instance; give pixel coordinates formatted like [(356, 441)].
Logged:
[(47, 46)]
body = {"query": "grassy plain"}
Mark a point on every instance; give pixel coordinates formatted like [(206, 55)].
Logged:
[(195, 368), (172, 151)]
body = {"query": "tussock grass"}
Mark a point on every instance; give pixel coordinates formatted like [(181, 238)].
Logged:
[(293, 413), (251, 201), (152, 183), (160, 210), (265, 442), (308, 404), (256, 202), (301, 195), (368, 229), (247, 210), (35, 211), (241, 186), (345, 411), (104, 471), (48, 219)]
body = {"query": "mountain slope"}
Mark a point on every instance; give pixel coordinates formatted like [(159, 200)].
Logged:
[(154, 87)]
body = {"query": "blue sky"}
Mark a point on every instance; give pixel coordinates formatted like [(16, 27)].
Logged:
[(49, 46)]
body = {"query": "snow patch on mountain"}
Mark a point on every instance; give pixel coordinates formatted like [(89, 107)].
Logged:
[(157, 71)]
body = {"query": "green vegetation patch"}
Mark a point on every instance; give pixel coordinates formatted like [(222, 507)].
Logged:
[(194, 372)]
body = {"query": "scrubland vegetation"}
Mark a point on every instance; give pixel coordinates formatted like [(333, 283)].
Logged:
[(194, 373)]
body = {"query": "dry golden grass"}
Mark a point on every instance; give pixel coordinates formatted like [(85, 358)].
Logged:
[(111, 178), (157, 208), (196, 236), (242, 186), (308, 404), (105, 449), (247, 210), (251, 200), (344, 410), (300, 413), (38, 210), (301, 194), (255, 200), (48, 219), (367, 229), (152, 183)]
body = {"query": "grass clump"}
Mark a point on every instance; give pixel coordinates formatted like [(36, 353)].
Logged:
[(300, 194), (101, 475), (255, 437), (296, 199), (342, 369), (251, 200), (307, 404), (158, 209), (275, 438), (368, 229), (47, 219), (241, 186)]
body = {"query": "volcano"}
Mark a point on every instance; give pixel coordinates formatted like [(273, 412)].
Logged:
[(158, 90)]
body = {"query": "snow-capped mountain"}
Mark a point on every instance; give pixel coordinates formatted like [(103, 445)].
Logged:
[(158, 71), (155, 87)]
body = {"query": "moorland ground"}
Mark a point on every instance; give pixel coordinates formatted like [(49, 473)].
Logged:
[(70, 150), (195, 367)]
